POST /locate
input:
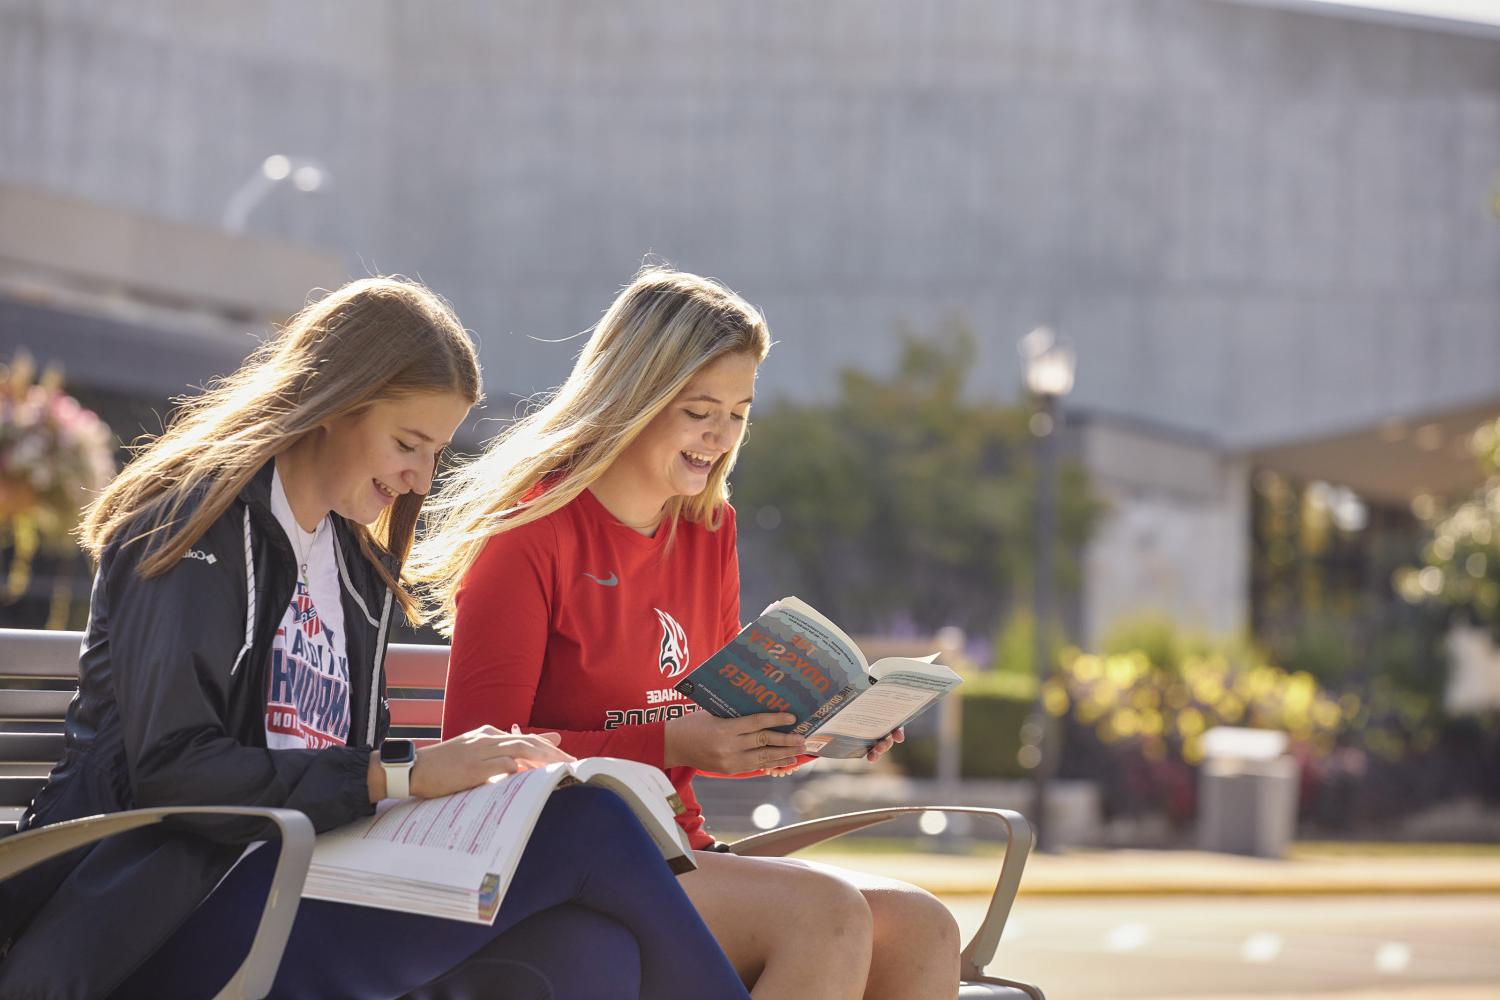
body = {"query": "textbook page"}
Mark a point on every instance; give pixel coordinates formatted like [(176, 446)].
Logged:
[(460, 849), (652, 797)]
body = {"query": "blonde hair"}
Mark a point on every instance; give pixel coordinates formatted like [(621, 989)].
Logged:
[(373, 339), (657, 334)]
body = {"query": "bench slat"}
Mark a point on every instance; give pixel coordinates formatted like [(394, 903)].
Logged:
[(19, 790), (416, 712), (10, 818), (33, 653), (32, 748), (408, 665), (34, 704)]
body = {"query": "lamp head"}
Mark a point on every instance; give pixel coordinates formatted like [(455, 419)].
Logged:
[(1050, 363)]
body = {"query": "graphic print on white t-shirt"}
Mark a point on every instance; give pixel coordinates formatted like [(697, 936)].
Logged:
[(307, 703)]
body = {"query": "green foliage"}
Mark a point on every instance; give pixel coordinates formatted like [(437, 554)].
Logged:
[(902, 501), (1461, 561), (1322, 645), (1015, 644), (1153, 703), (1141, 701), (1154, 635), (991, 735)]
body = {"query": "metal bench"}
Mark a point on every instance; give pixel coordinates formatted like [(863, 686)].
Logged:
[(39, 672)]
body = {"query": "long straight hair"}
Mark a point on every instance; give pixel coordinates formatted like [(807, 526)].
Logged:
[(659, 332), (371, 340)]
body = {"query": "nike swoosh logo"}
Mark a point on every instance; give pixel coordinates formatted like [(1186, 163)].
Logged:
[(609, 582)]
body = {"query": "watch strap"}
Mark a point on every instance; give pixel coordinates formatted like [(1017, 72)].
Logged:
[(397, 779)]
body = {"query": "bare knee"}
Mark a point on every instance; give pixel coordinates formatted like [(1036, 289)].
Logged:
[(914, 918), (838, 909)]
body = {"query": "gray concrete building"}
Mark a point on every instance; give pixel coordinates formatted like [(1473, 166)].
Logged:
[(1267, 227)]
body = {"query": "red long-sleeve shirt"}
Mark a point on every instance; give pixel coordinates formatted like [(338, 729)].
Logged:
[(579, 624)]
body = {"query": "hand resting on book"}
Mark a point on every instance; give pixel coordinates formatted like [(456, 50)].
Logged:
[(471, 759), (731, 746)]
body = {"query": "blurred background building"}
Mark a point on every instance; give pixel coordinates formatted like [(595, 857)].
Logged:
[(1266, 227)]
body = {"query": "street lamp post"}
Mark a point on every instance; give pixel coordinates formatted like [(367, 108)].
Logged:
[(305, 175), (1049, 376)]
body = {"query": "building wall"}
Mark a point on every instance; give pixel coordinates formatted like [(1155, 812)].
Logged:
[(1256, 224), (1175, 539), (165, 107)]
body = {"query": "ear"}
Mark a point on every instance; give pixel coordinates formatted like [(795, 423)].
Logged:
[(340, 423)]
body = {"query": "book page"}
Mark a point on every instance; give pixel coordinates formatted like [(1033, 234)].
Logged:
[(455, 856), (925, 665), (650, 796), (470, 841), (833, 636), (905, 690)]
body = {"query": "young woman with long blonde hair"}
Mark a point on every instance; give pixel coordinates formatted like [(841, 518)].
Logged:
[(249, 569), (586, 560)]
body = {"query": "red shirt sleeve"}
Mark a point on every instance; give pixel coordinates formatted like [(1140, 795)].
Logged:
[(504, 612)]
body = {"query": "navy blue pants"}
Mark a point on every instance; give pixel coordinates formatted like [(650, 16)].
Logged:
[(593, 913)]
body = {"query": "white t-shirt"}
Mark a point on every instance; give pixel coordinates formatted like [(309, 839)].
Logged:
[(308, 698)]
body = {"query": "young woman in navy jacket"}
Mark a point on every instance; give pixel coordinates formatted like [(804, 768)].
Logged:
[(250, 555)]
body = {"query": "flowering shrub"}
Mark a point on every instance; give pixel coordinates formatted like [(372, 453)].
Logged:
[(1462, 559), (1137, 727), (1125, 698), (1133, 722), (54, 455)]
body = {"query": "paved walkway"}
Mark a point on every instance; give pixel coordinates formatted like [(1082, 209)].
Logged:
[(1427, 991), (1182, 873)]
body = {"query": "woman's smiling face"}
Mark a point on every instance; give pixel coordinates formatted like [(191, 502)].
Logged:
[(677, 451), (390, 448)]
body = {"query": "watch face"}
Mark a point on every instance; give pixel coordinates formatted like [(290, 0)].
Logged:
[(398, 752)]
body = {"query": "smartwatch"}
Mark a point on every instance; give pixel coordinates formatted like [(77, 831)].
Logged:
[(396, 759)]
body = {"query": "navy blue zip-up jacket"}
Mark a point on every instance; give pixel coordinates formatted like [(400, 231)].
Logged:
[(171, 710)]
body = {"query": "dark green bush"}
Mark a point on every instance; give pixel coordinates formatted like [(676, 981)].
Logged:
[(991, 734)]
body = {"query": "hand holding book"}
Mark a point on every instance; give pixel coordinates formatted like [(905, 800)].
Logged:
[(732, 746)]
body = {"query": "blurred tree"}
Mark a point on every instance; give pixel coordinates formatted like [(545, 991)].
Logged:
[(1461, 562), (902, 502), (1014, 650)]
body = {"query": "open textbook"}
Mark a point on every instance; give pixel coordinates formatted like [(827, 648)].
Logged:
[(454, 856), (792, 659)]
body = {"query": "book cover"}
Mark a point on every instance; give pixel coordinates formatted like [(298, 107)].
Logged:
[(793, 659)]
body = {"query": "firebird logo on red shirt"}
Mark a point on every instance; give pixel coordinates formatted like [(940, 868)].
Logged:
[(674, 645)]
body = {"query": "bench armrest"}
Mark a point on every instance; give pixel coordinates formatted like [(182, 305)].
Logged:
[(1019, 840), (254, 977)]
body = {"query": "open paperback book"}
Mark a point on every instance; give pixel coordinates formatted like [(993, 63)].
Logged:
[(793, 659), (454, 856)]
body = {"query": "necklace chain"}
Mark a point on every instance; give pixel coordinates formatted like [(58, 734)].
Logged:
[(301, 553)]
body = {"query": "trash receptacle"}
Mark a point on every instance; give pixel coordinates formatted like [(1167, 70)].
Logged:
[(1247, 792)]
